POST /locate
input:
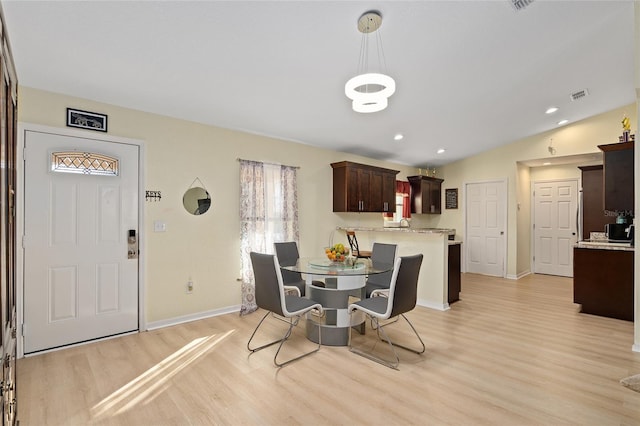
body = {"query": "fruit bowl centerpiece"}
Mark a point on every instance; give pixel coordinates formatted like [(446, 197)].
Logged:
[(337, 252)]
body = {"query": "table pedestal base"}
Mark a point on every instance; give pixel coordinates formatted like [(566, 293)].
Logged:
[(331, 335), (335, 322)]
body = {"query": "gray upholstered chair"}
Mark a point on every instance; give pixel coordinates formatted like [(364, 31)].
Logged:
[(382, 255), (270, 296), (402, 297), (288, 255)]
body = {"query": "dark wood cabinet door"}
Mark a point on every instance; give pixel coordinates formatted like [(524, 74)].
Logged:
[(364, 185), (426, 194), (435, 197), (618, 178), (389, 193), (354, 201), (454, 284)]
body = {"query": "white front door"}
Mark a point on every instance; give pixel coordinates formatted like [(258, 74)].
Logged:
[(79, 282), (555, 209), (485, 227)]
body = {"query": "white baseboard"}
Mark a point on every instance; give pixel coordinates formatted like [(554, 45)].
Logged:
[(192, 317), (518, 276), (432, 305), (635, 348)]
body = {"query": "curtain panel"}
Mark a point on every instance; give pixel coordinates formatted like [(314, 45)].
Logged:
[(268, 213)]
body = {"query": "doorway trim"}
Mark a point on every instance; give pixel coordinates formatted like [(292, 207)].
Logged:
[(504, 182), (20, 194)]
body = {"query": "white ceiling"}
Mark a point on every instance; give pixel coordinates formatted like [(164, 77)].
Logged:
[(470, 75)]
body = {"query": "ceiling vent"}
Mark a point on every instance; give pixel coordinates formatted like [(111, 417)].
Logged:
[(576, 96), (520, 4)]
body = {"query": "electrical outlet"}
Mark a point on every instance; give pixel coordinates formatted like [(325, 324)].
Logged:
[(189, 287)]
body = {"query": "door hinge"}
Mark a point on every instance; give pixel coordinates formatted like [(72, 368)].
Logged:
[(24, 154), (23, 329), (24, 237)]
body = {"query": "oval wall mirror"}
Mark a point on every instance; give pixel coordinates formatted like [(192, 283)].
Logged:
[(196, 200)]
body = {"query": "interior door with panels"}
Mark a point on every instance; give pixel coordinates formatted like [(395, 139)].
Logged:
[(485, 228), (555, 205)]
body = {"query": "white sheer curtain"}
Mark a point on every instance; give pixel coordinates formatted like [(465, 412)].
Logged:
[(268, 213)]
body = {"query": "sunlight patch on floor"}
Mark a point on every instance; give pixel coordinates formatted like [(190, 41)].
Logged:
[(152, 382)]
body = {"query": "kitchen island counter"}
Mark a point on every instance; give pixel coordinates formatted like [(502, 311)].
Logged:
[(603, 281), (433, 243)]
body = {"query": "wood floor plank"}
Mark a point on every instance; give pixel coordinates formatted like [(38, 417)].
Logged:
[(508, 353)]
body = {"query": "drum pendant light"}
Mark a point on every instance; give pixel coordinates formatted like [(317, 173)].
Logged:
[(369, 91)]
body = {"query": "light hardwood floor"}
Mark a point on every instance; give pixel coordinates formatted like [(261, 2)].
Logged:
[(508, 353)]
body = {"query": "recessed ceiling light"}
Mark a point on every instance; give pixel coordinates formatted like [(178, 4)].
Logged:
[(441, 151), (551, 110), (546, 164), (561, 122), (398, 137)]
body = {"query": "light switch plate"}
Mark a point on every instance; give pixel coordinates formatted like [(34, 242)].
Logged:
[(159, 226)]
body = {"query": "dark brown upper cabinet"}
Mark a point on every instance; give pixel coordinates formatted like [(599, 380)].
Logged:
[(363, 188), (426, 194), (618, 177)]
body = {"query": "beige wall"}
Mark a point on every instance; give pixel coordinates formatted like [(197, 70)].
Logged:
[(206, 248), (581, 137)]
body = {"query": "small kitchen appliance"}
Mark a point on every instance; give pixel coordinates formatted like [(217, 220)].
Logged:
[(619, 232)]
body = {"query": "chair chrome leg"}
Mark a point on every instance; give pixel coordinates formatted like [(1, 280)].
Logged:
[(252, 350), (369, 355), (382, 335), (416, 351), (281, 364), (391, 321)]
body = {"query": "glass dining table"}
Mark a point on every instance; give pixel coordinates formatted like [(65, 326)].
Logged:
[(344, 283)]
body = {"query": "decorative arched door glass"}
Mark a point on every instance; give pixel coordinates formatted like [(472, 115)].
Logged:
[(88, 163)]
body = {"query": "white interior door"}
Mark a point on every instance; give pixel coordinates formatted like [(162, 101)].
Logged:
[(79, 282), (486, 228), (555, 207)]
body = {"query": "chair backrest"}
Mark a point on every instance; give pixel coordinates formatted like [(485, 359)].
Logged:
[(382, 255), (288, 255), (269, 287), (353, 242), (403, 292)]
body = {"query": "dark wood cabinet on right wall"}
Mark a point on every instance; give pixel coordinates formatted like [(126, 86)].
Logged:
[(426, 194), (618, 177)]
